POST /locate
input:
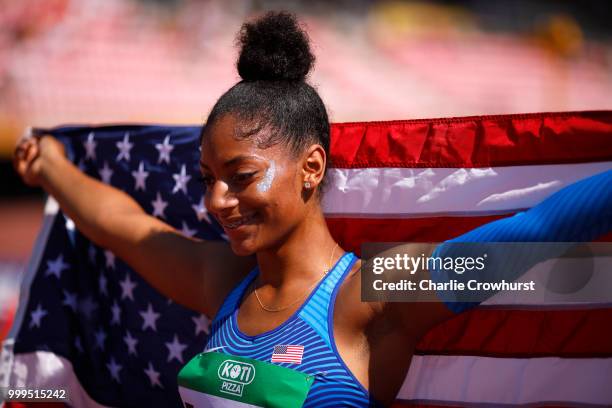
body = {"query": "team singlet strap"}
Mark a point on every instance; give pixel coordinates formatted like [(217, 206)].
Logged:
[(316, 309), (213, 379)]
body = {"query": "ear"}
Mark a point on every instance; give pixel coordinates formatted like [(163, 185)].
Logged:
[(313, 165)]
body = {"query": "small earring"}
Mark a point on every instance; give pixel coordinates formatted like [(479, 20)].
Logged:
[(307, 184)]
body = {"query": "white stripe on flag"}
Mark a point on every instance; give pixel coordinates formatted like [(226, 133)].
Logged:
[(402, 192), (558, 285), (488, 380)]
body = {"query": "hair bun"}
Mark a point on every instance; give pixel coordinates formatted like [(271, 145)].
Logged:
[(274, 47)]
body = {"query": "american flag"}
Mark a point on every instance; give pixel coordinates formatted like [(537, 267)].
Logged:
[(287, 353), (112, 340), (85, 312)]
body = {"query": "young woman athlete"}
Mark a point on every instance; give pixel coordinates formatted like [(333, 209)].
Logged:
[(282, 279)]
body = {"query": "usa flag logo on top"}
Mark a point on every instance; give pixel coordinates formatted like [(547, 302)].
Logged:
[(287, 353)]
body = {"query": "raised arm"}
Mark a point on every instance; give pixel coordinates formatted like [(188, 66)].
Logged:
[(579, 212), (197, 274)]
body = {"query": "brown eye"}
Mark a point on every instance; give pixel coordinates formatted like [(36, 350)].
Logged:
[(243, 177)]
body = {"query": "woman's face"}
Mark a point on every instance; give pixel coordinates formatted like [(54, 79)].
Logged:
[(254, 193)]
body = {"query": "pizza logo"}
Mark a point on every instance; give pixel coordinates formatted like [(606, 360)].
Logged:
[(234, 375)]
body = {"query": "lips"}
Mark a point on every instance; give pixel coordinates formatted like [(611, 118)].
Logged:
[(237, 222)]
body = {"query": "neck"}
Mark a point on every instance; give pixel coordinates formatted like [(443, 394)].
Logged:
[(303, 257)]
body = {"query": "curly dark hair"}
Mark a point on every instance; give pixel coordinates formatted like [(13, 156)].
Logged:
[(274, 61)]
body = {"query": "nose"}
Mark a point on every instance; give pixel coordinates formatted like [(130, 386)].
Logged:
[(218, 198)]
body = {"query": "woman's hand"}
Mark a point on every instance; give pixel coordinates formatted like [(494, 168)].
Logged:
[(33, 155)]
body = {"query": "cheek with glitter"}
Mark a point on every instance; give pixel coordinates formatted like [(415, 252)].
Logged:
[(265, 184)]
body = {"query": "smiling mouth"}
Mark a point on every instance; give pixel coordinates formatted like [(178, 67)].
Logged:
[(239, 222)]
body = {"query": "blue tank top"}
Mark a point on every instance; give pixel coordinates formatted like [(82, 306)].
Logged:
[(310, 327)]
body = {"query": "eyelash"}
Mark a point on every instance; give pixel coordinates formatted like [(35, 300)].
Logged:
[(242, 177), (237, 178)]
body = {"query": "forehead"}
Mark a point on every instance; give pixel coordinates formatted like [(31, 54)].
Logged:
[(220, 145)]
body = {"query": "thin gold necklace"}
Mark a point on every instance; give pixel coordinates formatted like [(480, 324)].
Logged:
[(280, 309)]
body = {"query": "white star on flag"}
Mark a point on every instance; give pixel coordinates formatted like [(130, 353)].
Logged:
[(124, 148), (159, 205), (114, 369), (131, 343), (69, 224), (140, 177), (201, 324), (77, 344), (90, 147), (91, 253), (100, 336), (70, 300), (149, 318), (186, 231), (164, 150), (175, 349), (87, 306), (116, 311), (127, 286), (153, 376), (106, 173), (56, 267), (110, 259), (181, 180), (37, 316), (102, 281), (201, 211)]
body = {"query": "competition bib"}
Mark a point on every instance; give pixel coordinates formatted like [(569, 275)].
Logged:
[(214, 379)]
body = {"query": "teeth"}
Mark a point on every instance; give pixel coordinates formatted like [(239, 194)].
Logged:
[(238, 223)]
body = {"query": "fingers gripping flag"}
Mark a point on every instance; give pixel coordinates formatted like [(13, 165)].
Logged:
[(88, 323)]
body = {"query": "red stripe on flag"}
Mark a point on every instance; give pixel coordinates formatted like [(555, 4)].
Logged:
[(523, 333), (351, 232), (39, 404), (475, 141), (416, 404), (408, 404)]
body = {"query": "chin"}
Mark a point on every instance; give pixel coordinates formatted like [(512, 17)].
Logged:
[(242, 248)]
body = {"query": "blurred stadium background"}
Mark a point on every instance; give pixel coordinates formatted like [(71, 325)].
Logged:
[(166, 61)]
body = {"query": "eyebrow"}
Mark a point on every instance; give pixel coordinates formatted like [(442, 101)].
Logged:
[(232, 161)]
